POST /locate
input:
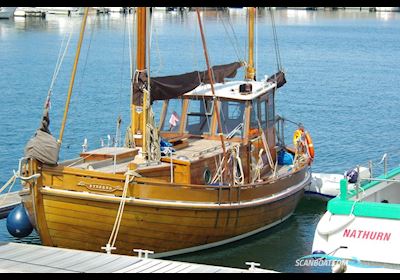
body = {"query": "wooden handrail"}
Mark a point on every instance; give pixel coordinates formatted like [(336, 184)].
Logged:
[(120, 177)]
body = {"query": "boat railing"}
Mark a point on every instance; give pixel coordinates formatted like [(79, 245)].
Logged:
[(361, 181), (92, 181), (381, 180), (280, 127)]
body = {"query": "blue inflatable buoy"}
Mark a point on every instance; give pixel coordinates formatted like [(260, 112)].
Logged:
[(18, 224), (318, 252)]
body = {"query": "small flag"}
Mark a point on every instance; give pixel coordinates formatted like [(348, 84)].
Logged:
[(173, 120)]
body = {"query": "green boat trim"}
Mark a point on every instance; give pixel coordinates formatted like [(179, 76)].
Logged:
[(342, 205)]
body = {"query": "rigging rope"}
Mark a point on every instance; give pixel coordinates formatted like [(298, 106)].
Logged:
[(235, 37), (256, 40), (132, 56), (119, 119), (129, 140), (209, 57), (276, 44), (78, 87), (152, 139), (59, 62), (235, 47), (60, 59), (161, 65)]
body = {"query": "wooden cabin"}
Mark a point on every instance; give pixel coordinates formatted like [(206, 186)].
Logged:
[(197, 126)]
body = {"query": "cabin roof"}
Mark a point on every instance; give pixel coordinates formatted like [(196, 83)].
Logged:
[(231, 90)]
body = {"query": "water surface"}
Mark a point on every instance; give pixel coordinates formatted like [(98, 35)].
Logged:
[(342, 72)]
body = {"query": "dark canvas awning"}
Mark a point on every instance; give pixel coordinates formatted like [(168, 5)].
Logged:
[(279, 78), (169, 87)]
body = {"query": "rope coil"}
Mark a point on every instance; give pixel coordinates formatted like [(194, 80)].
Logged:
[(237, 166)]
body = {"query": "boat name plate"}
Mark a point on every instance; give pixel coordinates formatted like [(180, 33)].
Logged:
[(99, 187)]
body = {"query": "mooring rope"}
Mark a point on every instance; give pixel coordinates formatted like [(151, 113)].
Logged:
[(152, 138), (114, 233), (11, 181)]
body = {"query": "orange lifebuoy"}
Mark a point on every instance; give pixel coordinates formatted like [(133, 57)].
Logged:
[(310, 144), (253, 131)]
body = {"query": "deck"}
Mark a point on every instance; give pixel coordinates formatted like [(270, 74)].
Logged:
[(17, 257)]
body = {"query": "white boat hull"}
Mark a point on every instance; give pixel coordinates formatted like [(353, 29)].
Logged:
[(29, 11), (326, 186), (387, 9), (60, 10), (7, 12), (238, 10), (116, 9), (363, 227), (373, 241)]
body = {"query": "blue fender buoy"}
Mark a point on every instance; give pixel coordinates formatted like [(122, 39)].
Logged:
[(18, 224), (318, 252)]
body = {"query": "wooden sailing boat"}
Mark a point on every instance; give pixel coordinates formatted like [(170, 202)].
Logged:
[(217, 181)]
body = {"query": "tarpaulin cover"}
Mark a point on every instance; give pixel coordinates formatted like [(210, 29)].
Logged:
[(169, 87), (279, 78), (43, 146)]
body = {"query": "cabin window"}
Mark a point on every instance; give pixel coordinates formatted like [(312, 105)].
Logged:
[(199, 116), (172, 118), (254, 114), (232, 118), (254, 117), (263, 113)]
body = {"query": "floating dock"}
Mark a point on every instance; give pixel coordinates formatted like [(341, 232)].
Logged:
[(17, 257), (8, 202)]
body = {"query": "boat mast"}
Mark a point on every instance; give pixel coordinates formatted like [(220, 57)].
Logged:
[(139, 119), (250, 71), (71, 83), (211, 78)]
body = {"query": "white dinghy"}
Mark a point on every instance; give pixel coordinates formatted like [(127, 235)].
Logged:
[(326, 186)]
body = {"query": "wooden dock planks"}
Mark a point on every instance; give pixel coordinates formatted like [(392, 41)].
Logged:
[(8, 202), (18, 257)]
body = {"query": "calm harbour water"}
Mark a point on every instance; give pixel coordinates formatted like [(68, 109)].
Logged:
[(342, 71)]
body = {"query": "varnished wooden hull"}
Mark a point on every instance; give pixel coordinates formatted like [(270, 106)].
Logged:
[(84, 221)]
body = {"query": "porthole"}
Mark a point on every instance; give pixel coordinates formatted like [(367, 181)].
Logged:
[(207, 176)]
